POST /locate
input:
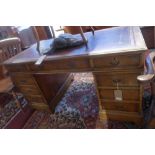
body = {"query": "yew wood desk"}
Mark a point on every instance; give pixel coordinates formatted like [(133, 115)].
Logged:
[(115, 56)]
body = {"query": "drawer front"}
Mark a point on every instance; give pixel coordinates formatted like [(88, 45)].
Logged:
[(35, 98), (65, 64), (28, 87), (30, 90), (24, 79), (120, 105), (39, 106), (120, 79), (127, 94), (16, 68), (132, 60)]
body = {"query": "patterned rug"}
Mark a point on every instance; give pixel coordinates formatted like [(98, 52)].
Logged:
[(9, 110), (81, 101)]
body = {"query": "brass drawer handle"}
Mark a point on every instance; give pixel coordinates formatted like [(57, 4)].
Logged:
[(23, 81), (116, 80), (115, 62)]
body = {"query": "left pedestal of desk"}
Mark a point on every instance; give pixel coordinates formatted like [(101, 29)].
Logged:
[(43, 91)]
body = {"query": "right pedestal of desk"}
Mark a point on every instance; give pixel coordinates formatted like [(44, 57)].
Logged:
[(119, 93)]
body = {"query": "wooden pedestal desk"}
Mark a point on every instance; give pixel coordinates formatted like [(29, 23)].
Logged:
[(115, 56)]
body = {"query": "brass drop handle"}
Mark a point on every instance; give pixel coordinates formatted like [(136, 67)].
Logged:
[(23, 81), (115, 62), (116, 81)]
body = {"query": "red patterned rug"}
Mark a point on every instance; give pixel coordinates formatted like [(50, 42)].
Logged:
[(77, 109), (10, 109)]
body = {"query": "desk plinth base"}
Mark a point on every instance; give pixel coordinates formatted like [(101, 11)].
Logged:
[(134, 117)]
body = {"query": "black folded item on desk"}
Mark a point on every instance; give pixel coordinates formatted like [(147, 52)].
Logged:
[(64, 41)]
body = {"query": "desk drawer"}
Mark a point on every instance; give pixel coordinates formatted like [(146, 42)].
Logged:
[(127, 106), (127, 94), (30, 90), (35, 98), (16, 68), (24, 79), (81, 63), (40, 106), (118, 61), (122, 79)]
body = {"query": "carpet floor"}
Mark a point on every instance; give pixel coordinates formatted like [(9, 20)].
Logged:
[(9, 110)]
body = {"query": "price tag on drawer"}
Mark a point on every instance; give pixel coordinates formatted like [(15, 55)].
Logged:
[(118, 95)]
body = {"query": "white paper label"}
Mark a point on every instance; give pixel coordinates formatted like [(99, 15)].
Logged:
[(118, 95)]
